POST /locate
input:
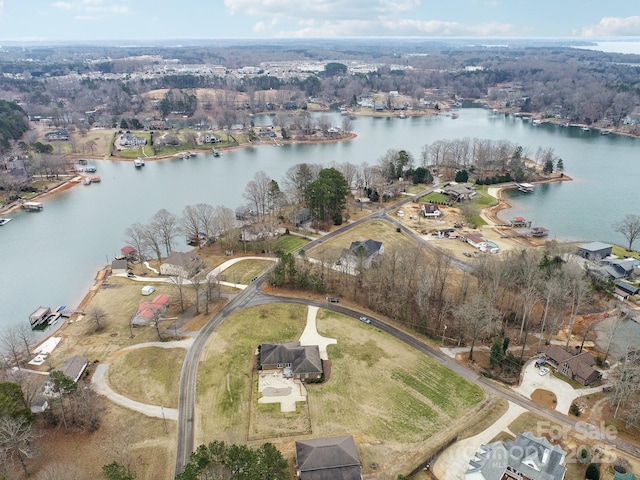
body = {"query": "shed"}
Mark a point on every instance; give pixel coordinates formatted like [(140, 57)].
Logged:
[(119, 267), (594, 250)]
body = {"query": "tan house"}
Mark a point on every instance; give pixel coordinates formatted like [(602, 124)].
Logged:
[(182, 264)]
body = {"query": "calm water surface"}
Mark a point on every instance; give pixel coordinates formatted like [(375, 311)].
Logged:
[(51, 257)]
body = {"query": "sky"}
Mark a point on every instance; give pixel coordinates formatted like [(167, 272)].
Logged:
[(86, 20)]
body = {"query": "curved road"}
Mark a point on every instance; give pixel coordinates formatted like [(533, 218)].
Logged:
[(252, 295)]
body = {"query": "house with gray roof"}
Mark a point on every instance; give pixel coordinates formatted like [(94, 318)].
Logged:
[(525, 458), (594, 250), (334, 458), (74, 367), (617, 268), (295, 360), (361, 254), (184, 264)]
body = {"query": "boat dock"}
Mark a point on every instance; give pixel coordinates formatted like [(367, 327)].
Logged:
[(32, 206)]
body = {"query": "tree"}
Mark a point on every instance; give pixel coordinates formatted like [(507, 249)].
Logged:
[(135, 235), (476, 318), (497, 354), (17, 437), (64, 386), (629, 226), (462, 176), (96, 316), (115, 471), (326, 196), (593, 472), (165, 225), (13, 403)]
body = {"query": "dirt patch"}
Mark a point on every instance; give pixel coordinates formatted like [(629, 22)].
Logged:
[(544, 398)]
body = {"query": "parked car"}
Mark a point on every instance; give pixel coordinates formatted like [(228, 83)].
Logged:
[(130, 274), (365, 319), (254, 279), (543, 370), (466, 254), (540, 362), (147, 290), (334, 300)]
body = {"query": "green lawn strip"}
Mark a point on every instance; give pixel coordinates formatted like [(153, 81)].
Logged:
[(622, 252), (290, 243), (435, 197), (483, 199), (244, 271), (148, 375), (450, 393), (130, 153)]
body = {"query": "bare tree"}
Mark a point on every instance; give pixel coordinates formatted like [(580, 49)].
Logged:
[(12, 345), (257, 194), (97, 316), (205, 214), (476, 318), (178, 281), (165, 224), (190, 225), (629, 226), (17, 437), (136, 236), (579, 287)]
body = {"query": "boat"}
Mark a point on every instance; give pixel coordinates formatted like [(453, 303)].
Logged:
[(537, 122), (138, 162), (585, 128), (86, 181), (216, 152), (90, 168), (4, 221), (402, 115), (564, 124), (526, 187), (605, 132), (454, 115), (95, 178)]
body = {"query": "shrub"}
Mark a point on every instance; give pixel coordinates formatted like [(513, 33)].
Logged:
[(584, 454), (574, 410), (593, 472)]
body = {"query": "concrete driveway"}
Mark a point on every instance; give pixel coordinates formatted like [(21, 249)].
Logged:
[(310, 335), (564, 392), (454, 461)]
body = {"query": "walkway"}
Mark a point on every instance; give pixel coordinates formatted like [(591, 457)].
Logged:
[(454, 461)]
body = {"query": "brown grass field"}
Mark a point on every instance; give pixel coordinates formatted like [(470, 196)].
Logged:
[(392, 399)]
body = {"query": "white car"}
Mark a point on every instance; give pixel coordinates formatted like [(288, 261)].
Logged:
[(365, 319), (543, 371)]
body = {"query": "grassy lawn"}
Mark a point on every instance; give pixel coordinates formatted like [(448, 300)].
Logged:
[(244, 271), (623, 252), (483, 199), (290, 243), (527, 422), (435, 197), (379, 388), (148, 375), (375, 229)]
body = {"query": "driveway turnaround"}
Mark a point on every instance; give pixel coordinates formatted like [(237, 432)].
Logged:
[(102, 388), (564, 392)]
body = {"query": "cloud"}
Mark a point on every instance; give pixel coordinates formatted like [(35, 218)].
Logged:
[(63, 5), (91, 9), (354, 18), (614, 27)]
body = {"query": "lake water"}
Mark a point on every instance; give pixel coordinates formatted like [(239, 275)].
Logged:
[(51, 257)]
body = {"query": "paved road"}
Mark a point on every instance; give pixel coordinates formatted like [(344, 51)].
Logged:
[(253, 296)]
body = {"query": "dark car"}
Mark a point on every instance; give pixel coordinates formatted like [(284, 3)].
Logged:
[(254, 279), (130, 274), (334, 300)]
